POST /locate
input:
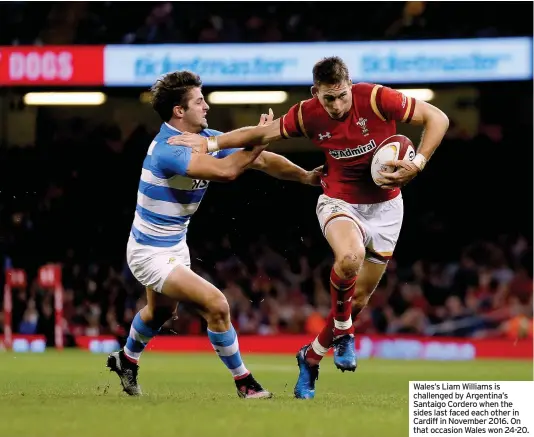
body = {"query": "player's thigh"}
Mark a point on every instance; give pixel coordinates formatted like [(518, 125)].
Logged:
[(185, 286), (341, 227), (151, 265), (368, 279), (345, 239), (384, 223)]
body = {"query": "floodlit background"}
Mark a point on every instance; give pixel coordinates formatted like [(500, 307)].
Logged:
[(75, 124)]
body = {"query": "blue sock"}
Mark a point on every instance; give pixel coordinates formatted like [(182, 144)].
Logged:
[(140, 335), (227, 347)]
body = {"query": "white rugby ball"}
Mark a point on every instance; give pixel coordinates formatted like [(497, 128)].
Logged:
[(396, 147)]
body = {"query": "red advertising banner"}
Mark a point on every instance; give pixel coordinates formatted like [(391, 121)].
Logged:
[(52, 65), (392, 347)]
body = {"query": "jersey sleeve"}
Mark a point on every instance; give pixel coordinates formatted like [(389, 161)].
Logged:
[(389, 104), (292, 123), (172, 160)]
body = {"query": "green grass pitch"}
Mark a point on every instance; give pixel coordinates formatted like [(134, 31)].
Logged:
[(71, 394)]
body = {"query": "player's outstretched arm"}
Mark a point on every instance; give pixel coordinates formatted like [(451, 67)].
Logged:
[(282, 168), (182, 161), (203, 166), (248, 136)]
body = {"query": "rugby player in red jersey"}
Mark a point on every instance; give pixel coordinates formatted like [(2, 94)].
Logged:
[(360, 220)]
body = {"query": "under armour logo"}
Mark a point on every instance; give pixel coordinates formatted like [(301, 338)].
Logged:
[(326, 135)]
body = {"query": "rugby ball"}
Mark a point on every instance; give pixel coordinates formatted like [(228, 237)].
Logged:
[(396, 147)]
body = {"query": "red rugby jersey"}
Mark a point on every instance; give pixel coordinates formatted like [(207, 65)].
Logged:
[(348, 144)]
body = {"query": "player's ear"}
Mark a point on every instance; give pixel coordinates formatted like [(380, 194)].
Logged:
[(178, 111), (313, 90)]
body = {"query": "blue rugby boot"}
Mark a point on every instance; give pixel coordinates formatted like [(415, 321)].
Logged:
[(305, 387), (345, 353)]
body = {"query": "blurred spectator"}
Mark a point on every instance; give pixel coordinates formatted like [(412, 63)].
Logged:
[(412, 24), (212, 22), (457, 270), (273, 268)]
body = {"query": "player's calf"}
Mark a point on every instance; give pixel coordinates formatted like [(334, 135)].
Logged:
[(342, 282), (321, 344), (344, 348), (359, 302), (223, 338), (145, 325), (339, 321)]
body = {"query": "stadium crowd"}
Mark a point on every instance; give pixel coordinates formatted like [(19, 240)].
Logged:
[(216, 22), (463, 265), (73, 203)]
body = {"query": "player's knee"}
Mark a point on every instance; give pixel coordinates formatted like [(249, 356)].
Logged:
[(157, 314), (218, 310), (349, 264)]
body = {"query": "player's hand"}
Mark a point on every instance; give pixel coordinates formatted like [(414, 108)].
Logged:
[(404, 173), (266, 118), (313, 177), (196, 142)]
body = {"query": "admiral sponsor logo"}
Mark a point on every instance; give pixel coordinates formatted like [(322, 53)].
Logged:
[(352, 153)]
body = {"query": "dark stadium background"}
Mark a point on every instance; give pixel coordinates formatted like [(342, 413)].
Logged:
[(69, 175)]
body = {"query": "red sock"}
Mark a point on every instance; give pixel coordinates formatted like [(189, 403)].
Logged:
[(341, 291), (323, 341)]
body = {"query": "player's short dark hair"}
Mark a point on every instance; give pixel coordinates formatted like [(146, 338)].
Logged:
[(330, 71), (172, 90)]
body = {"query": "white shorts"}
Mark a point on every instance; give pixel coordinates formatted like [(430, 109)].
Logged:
[(379, 223), (151, 265)]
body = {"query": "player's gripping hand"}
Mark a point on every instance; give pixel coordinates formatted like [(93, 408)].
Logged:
[(313, 177), (196, 142), (404, 173), (266, 118)]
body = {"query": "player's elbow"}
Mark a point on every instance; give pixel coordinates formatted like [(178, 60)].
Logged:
[(232, 176), (229, 174), (259, 163), (436, 116), (444, 119)]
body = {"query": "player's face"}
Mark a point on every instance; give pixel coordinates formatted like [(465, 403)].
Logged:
[(336, 99), (197, 109)]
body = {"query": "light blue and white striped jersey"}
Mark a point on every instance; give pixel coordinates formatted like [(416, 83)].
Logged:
[(167, 197)]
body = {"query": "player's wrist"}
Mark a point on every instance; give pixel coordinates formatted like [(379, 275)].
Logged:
[(420, 161), (212, 144), (307, 177)]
